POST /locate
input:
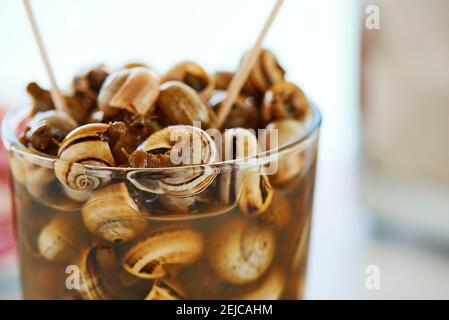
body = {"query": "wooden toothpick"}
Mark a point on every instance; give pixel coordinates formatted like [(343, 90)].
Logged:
[(56, 94), (248, 63)]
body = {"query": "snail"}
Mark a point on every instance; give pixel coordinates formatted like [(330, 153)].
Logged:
[(164, 290), (270, 288), (132, 89), (176, 205), (290, 164), (62, 239), (284, 100), (239, 251), (101, 276), (180, 104), (257, 192), (265, 74), (243, 114), (47, 129), (112, 214), (85, 145), (222, 79), (178, 146), (150, 257), (193, 75)]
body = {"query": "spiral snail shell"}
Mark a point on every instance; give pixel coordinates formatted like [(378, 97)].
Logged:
[(101, 276), (179, 146), (240, 252), (193, 75), (290, 165), (241, 144), (270, 288), (62, 239), (284, 100), (133, 89), (265, 73), (150, 257), (113, 215), (180, 104), (84, 146)]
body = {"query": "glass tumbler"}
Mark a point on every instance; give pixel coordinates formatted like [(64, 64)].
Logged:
[(170, 233)]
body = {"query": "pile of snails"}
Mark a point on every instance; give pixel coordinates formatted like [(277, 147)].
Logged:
[(126, 119)]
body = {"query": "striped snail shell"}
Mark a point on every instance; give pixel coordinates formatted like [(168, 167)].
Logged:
[(254, 187), (183, 146), (84, 146)]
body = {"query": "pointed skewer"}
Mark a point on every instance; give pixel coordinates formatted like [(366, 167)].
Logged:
[(56, 95)]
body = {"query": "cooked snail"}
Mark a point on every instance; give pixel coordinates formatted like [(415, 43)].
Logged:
[(222, 79), (270, 288), (243, 113), (290, 165), (134, 89), (150, 257), (193, 75), (47, 129), (284, 100), (101, 276), (178, 146), (240, 252), (62, 239), (180, 104), (85, 145), (257, 192), (265, 73), (112, 214)]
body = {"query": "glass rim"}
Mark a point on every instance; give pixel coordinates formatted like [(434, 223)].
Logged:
[(13, 117)]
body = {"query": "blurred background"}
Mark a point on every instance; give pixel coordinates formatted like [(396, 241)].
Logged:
[(378, 71)]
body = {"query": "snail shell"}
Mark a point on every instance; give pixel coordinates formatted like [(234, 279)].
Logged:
[(176, 205), (222, 79), (150, 257), (243, 113), (290, 165), (132, 89), (184, 145), (164, 290), (102, 276), (265, 73), (62, 239), (240, 252), (257, 192), (47, 129), (193, 75), (270, 288), (113, 215), (284, 100), (84, 146), (180, 104)]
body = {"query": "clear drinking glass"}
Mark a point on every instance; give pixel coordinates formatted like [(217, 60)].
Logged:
[(132, 238)]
